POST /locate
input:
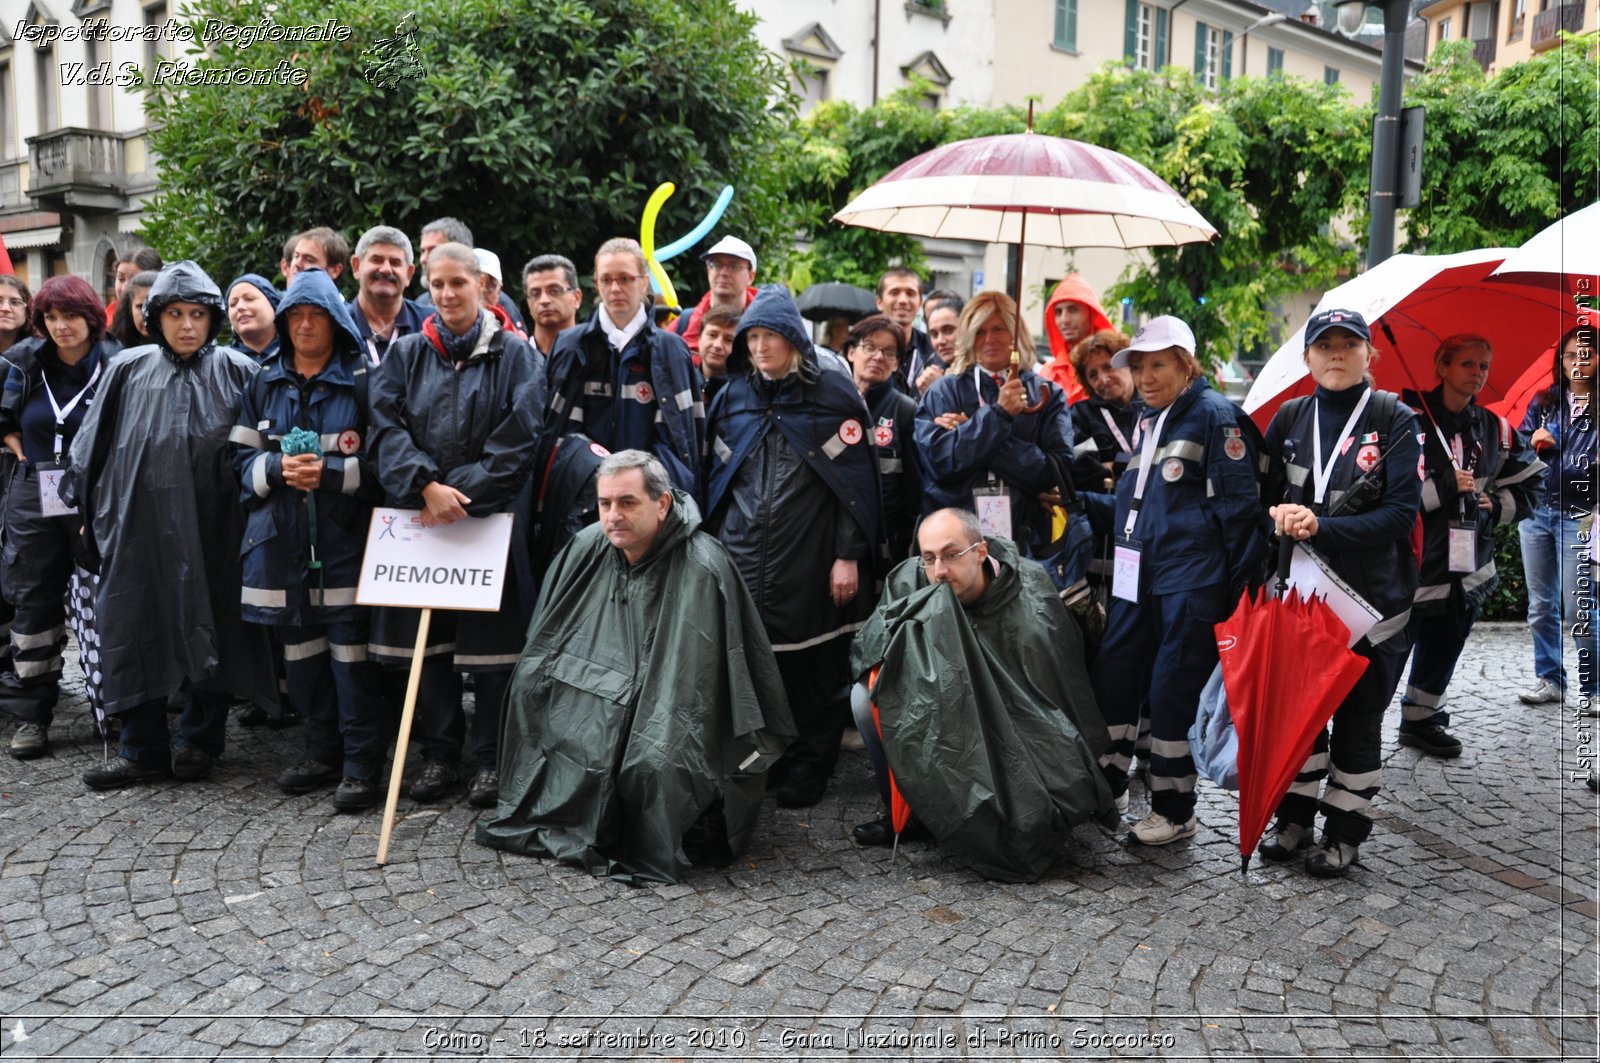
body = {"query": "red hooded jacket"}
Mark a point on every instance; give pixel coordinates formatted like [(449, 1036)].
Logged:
[(1075, 289)]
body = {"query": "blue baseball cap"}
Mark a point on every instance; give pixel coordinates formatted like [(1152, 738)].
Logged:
[(1346, 319)]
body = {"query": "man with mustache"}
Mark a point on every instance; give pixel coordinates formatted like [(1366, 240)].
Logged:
[(383, 266)]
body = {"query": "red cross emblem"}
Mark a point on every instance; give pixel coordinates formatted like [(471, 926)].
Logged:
[(883, 435), (349, 441), (850, 432)]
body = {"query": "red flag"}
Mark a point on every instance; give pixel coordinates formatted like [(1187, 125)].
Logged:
[(5, 258)]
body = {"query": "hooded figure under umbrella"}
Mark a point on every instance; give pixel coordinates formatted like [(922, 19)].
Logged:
[(160, 503)]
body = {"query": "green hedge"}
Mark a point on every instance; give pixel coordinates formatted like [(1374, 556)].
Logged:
[(1510, 599)]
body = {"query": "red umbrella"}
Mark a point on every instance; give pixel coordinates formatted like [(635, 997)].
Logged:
[(1422, 299), (899, 807), (1286, 667), (1018, 188), (1520, 394)]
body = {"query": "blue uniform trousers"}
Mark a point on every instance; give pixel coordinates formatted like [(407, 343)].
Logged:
[(340, 692), (1162, 648)]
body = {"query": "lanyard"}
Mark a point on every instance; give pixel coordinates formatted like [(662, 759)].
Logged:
[(1147, 453), (1111, 423), (62, 413), (978, 376), (1322, 472)]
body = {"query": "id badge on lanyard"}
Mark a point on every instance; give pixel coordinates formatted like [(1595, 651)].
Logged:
[(1126, 550), (993, 500), (50, 504), (1125, 570), (993, 503)]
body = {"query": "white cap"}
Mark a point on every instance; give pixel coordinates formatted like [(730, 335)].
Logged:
[(732, 245), (489, 263), (1157, 334)]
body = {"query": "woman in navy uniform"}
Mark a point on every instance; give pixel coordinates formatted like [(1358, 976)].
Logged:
[(875, 348), (1480, 474), (48, 390), (306, 508), (1185, 523), (456, 418), (1346, 465)]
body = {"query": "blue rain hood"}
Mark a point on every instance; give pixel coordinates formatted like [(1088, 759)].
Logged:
[(313, 287), (260, 283), (773, 308)]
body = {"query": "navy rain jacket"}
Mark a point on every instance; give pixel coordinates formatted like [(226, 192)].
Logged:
[(793, 482), (279, 588)]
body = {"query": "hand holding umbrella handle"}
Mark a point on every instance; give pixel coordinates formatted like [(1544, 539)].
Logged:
[(1016, 369), (1285, 559)]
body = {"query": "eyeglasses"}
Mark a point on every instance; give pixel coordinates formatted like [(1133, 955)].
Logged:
[(15, 304), (627, 280), (927, 561), (726, 266), (555, 291), (869, 349)]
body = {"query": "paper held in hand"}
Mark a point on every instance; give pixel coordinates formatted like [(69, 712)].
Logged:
[(1311, 576), (449, 566)]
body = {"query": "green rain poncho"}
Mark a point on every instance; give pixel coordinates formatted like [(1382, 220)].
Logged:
[(988, 720), (645, 694)]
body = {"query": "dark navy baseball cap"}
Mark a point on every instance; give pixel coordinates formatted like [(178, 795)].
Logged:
[(1346, 319)]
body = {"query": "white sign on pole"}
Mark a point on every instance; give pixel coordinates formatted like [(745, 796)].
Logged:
[(449, 566)]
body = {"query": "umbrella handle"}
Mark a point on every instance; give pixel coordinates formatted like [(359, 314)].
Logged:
[(1044, 397), (1285, 558)]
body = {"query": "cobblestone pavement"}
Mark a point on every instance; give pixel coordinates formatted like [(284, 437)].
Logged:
[(224, 920)]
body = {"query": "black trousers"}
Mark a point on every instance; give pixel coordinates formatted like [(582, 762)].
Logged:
[(35, 569), (817, 680), (1351, 760)]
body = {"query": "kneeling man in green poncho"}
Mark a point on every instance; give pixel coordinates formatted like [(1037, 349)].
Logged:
[(984, 718), (647, 706)]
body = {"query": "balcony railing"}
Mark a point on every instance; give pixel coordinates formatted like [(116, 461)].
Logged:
[(78, 168), (11, 183), (1547, 25), (1483, 52)]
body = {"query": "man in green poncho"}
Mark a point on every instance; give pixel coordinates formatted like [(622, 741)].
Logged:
[(984, 706), (647, 706)]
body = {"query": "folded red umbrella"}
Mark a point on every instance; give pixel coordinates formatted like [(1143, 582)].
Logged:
[(1286, 667)]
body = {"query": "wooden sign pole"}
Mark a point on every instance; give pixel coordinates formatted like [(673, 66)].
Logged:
[(403, 740)]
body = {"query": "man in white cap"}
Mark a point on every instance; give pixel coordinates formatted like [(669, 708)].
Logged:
[(493, 284), (731, 274)]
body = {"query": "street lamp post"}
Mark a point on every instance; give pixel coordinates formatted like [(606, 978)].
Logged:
[(1244, 37), (1385, 191)]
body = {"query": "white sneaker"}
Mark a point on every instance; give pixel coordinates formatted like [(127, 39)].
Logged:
[(1543, 692), (1156, 829)]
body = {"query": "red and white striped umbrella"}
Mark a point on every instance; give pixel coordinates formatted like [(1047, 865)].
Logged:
[(1027, 187)]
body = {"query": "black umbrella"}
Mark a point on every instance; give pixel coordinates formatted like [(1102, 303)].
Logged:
[(835, 299)]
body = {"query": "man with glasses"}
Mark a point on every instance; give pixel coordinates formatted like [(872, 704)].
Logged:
[(550, 283), (731, 277), (623, 382), (979, 701)]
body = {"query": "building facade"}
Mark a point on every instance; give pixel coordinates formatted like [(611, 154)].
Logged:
[(1504, 32), (74, 167)]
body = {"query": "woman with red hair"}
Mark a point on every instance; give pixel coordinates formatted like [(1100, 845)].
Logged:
[(51, 383)]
